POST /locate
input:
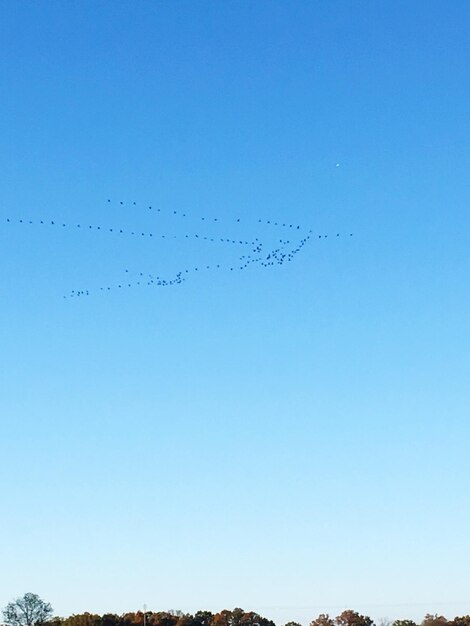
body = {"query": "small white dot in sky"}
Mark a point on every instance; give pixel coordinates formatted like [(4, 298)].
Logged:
[(337, 164)]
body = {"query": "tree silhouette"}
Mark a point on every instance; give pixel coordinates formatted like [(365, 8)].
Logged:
[(29, 610)]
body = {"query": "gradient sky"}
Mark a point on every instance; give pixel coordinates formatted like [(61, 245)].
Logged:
[(289, 440)]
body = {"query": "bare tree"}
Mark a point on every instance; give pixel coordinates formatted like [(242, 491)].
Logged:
[(29, 610)]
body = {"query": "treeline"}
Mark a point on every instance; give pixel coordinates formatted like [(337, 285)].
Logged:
[(239, 617)]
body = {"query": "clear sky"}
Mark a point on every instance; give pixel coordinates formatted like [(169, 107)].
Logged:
[(291, 439)]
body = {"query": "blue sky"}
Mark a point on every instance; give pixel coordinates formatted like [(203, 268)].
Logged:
[(290, 439)]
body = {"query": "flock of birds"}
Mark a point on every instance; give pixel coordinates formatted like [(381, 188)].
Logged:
[(284, 252)]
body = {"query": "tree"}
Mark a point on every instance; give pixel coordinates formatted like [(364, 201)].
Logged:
[(203, 618), (82, 619), (239, 617), (29, 610), (433, 619), (161, 618), (404, 622), (464, 620), (322, 620), (109, 619), (351, 618)]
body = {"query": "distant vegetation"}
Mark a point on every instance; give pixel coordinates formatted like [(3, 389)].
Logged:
[(239, 617), (30, 610)]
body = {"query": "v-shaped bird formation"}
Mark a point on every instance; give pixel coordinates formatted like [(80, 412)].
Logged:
[(254, 251)]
